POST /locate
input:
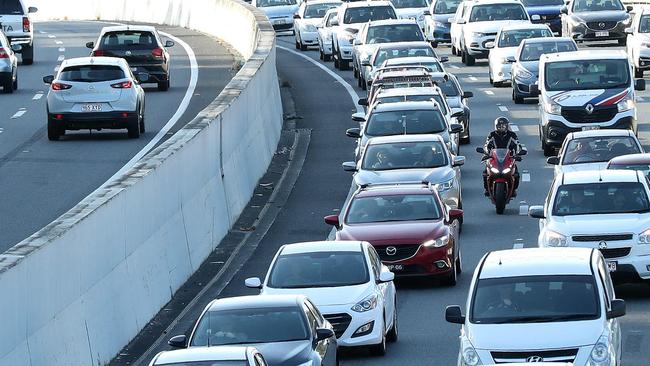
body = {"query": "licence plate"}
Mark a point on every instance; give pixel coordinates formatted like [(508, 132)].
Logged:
[(612, 266), (590, 128), (279, 21), (602, 34), (395, 267), (91, 108)]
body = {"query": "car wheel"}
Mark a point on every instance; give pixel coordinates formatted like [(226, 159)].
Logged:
[(516, 98), (337, 65), (465, 140), (453, 50), (490, 77), (548, 150), (393, 333), (133, 131), (380, 349), (53, 132), (469, 59), (364, 83), (452, 277), (27, 54), (302, 46), (163, 85), (343, 64), (321, 55), (622, 42), (8, 86), (355, 71), (462, 56), (327, 57), (141, 118), (638, 73), (297, 44), (15, 83)]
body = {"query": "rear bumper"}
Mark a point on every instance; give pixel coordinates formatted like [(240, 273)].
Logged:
[(84, 121), (157, 72)]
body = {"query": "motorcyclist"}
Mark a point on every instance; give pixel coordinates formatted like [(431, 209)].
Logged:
[(502, 138)]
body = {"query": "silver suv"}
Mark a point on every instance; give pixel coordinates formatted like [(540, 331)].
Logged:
[(17, 25)]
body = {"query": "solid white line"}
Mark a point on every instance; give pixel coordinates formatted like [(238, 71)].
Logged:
[(42, 32), (489, 92), (454, 67), (473, 78), (348, 87), (514, 128), (59, 42), (194, 77), (61, 58), (61, 49), (19, 113), (37, 96), (503, 108)]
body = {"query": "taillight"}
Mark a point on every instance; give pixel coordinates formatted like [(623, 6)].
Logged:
[(26, 25), (157, 52), (60, 86), (122, 85), (98, 53), (3, 53)]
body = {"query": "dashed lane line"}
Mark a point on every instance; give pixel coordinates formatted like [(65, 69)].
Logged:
[(489, 92), (514, 128), (503, 108), (61, 58), (454, 66), (51, 36), (473, 78), (20, 113), (59, 42), (61, 49), (37, 96)]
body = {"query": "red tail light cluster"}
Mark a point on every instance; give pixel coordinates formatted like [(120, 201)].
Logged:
[(26, 25), (60, 86), (99, 53), (157, 52), (122, 85), (3, 53)]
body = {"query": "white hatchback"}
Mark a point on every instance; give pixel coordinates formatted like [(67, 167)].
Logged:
[(346, 281)]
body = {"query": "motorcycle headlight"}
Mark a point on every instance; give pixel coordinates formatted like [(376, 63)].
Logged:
[(553, 239), (599, 355), (523, 73), (469, 356), (506, 170), (366, 304), (478, 34), (552, 108), (437, 243), (644, 237), (495, 170), (626, 103), (445, 186)]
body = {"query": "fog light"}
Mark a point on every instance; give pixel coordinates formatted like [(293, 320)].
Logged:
[(441, 264), (642, 63), (364, 329), (647, 268), (125, 115), (59, 116)]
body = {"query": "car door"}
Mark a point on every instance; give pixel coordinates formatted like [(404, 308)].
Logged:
[(609, 294), (454, 29), (385, 290), (325, 348)]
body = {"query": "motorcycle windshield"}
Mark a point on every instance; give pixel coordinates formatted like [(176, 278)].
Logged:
[(501, 155)]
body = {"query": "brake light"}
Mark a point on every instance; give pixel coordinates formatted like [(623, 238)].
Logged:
[(26, 24), (157, 52), (122, 85), (60, 86), (98, 53), (3, 53)]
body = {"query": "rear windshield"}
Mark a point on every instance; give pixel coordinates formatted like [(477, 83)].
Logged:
[(128, 39), (543, 2), (91, 73), (448, 87), (415, 51), (318, 10), (10, 7), (406, 122), (369, 13), (404, 4), (205, 363), (446, 6), (270, 3)]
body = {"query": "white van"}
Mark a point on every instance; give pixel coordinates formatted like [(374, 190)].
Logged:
[(584, 90)]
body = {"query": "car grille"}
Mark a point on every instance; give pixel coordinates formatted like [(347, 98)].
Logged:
[(340, 322), (400, 252), (580, 115), (615, 252), (604, 237), (547, 17), (282, 26), (601, 25), (564, 355)]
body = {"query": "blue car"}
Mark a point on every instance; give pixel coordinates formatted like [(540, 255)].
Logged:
[(548, 11)]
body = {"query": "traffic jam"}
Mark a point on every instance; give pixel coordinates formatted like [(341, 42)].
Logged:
[(403, 219)]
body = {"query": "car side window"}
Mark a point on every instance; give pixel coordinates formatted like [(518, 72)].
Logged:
[(547, 203), (606, 280), (375, 263), (313, 323), (314, 310)]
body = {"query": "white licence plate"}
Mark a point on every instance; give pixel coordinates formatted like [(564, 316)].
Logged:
[(395, 267), (279, 21), (602, 34), (590, 128), (612, 266), (91, 108)]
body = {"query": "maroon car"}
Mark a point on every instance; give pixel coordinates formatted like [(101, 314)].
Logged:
[(631, 162), (414, 233)]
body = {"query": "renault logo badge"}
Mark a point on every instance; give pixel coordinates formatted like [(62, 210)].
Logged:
[(391, 250), (589, 108), (602, 245), (535, 359)]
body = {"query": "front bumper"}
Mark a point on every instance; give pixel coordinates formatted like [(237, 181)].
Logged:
[(282, 24), (554, 131), (583, 33), (337, 315), (345, 50), (522, 87), (501, 72), (427, 261), (84, 121), (309, 38), (476, 46)]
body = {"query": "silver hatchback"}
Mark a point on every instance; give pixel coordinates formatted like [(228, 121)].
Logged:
[(95, 93), (8, 64)]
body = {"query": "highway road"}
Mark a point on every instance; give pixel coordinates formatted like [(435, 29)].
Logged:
[(41, 179)]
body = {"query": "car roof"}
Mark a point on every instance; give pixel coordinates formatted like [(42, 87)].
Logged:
[(393, 189), (405, 138), (642, 158), (378, 23), (599, 133), (536, 262), (410, 60), (490, 2), (193, 354), (135, 27), (405, 106), (90, 60), (584, 55), (525, 26), (548, 39), (418, 90), (362, 4), (318, 2), (255, 301), (322, 246), (599, 176)]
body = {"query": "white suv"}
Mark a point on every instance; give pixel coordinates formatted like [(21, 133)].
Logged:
[(607, 210), (18, 27), (535, 305)]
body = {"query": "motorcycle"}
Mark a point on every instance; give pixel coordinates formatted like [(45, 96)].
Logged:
[(501, 169)]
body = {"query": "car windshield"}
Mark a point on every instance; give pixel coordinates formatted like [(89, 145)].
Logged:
[(446, 6), (245, 326), (128, 40), (319, 269), (91, 73), (598, 149), (270, 3), (486, 13), (384, 54), (205, 363), (535, 299), (528, 3), (512, 38), (644, 24), (368, 13), (600, 198), (449, 88), (587, 74), (11, 7), (318, 10), (415, 207), (405, 155), (406, 122), (533, 51), (403, 4), (596, 5), (394, 33)]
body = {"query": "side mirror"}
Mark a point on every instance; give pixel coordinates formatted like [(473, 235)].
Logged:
[(468, 94), (179, 341), (296, 16), (16, 47), (363, 101), (457, 114), (355, 133), (455, 128), (90, 45), (142, 77), (461, 21), (349, 166), (523, 151), (458, 161), (629, 30), (489, 45), (639, 84), (454, 315), (48, 79), (333, 220), (443, 59), (169, 43), (323, 334), (426, 12), (32, 9), (618, 309), (534, 90), (365, 62), (535, 17), (511, 59), (564, 10), (536, 212), (356, 42), (629, 8), (359, 117), (455, 214), (480, 150), (518, 158), (253, 282), (387, 276), (553, 160)]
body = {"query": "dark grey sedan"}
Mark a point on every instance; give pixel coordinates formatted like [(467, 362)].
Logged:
[(287, 329)]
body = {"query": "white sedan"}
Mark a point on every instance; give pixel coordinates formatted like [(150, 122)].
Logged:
[(591, 150), (324, 36), (309, 16), (346, 281), (638, 42)]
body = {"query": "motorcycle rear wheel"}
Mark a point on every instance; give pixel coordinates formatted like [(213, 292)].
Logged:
[(500, 197)]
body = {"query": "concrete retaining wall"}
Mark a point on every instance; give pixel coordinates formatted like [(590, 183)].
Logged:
[(81, 288)]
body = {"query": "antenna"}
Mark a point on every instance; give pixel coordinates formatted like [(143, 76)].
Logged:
[(500, 263)]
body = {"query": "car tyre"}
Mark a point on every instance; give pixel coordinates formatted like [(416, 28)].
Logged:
[(327, 57), (364, 83), (337, 62), (638, 73), (453, 50), (451, 279), (133, 131), (297, 44), (141, 123), (53, 132), (465, 140), (516, 98), (393, 333), (163, 85), (469, 59), (14, 85), (8, 86), (548, 150), (380, 349), (27, 54), (321, 55)]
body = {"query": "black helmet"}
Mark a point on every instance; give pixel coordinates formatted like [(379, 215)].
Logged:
[(501, 121)]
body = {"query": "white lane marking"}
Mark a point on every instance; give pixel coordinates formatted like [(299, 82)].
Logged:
[(61, 58), (38, 96), (19, 113), (640, 99), (514, 128), (503, 108), (2, 130), (348, 87), (51, 36), (525, 177), (42, 32), (194, 77), (473, 78), (489, 92), (61, 49), (59, 42), (454, 67)]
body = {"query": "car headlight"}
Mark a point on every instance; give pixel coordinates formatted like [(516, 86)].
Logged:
[(469, 356), (599, 355), (523, 73), (552, 108), (366, 304), (437, 243), (310, 28), (626, 103), (644, 237), (445, 186), (625, 21), (553, 239), (478, 34)]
